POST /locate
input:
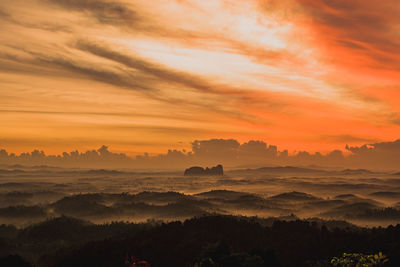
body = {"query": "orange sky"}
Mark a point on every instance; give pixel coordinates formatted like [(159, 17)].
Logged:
[(151, 75)]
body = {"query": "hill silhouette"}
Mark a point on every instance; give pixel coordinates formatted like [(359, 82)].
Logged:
[(224, 240)]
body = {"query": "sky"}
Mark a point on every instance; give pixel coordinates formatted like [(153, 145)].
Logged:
[(148, 76)]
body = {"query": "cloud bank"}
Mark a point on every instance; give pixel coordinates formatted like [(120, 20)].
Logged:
[(231, 153)]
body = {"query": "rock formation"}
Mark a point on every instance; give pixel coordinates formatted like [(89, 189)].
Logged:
[(217, 170)]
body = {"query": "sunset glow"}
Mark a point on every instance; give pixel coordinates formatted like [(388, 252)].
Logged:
[(148, 76)]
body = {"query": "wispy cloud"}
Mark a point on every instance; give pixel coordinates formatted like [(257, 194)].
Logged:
[(169, 75), (297, 72), (107, 12)]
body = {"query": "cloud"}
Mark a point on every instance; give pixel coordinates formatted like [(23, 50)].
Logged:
[(257, 150), (345, 138), (128, 16), (215, 149), (360, 36), (384, 154), (4, 15), (230, 152), (383, 147), (212, 65), (186, 79), (167, 74), (86, 159), (51, 27), (158, 71), (115, 78), (100, 114), (364, 28), (137, 74), (395, 118), (107, 12), (60, 64), (356, 42)]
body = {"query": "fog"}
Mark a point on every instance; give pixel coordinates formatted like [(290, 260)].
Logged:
[(34, 194)]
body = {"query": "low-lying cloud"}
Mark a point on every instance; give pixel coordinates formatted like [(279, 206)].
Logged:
[(229, 152)]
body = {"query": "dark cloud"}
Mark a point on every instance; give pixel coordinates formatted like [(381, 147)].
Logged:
[(51, 27), (4, 14), (158, 71), (124, 16), (40, 23), (180, 78), (134, 73), (61, 65), (107, 12), (395, 118), (129, 80)]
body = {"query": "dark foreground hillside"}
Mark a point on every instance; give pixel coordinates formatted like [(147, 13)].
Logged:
[(203, 241)]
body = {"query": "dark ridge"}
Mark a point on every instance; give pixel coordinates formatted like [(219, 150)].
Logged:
[(234, 241), (356, 171), (290, 169), (22, 211), (284, 169), (83, 205), (345, 196), (239, 199), (58, 222), (16, 195), (104, 171), (350, 210), (295, 196), (350, 198), (17, 166), (165, 205), (61, 228), (45, 167), (11, 184), (29, 167), (117, 172), (386, 194), (159, 196), (388, 213), (325, 204), (219, 193), (11, 171), (156, 194)]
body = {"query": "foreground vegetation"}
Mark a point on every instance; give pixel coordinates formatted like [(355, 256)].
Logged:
[(202, 241)]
